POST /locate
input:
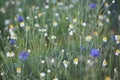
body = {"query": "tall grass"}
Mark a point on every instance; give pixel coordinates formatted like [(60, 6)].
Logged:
[(56, 40)]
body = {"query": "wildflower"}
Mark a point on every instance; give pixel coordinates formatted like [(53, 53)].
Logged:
[(48, 70), (42, 74), (2, 73), (75, 20), (71, 33), (104, 39), (12, 42), (71, 26), (37, 25), (20, 19), (88, 38), (18, 70), (115, 70), (84, 24), (95, 33), (107, 78), (92, 5), (52, 60), (117, 52), (39, 14), (117, 39), (11, 26), (54, 23), (65, 63), (27, 28), (10, 54), (104, 63), (55, 78), (24, 55), (106, 5), (53, 37), (90, 62), (76, 61), (22, 24), (113, 1), (42, 61), (94, 53)]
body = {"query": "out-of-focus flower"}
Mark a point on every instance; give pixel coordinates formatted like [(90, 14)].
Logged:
[(22, 24), (94, 53), (117, 38), (107, 78), (65, 63), (84, 24), (12, 34), (42, 74), (76, 61), (100, 23), (20, 19), (55, 78), (12, 41), (75, 20), (24, 55), (27, 28), (11, 26), (104, 63), (104, 39), (113, 1), (10, 54), (106, 5), (117, 52), (92, 5), (54, 23), (7, 22), (95, 33), (88, 38), (53, 37), (90, 62), (18, 70), (42, 61), (52, 60), (48, 70)]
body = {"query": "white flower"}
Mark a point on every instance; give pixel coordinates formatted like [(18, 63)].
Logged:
[(42, 61), (117, 52), (104, 63), (84, 24), (55, 78), (10, 54), (88, 38), (89, 62), (42, 74), (104, 39), (22, 24), (65, 63), (76, 61), (52, 60), (48, 70), (53, 37)]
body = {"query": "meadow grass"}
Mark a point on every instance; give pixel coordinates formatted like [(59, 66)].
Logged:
[(59, 41)]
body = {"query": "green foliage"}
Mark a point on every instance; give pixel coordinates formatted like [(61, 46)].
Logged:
[(59, 37)]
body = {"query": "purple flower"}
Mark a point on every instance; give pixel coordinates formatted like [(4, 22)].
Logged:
[(12, 42), (24, 55), (94, 53), (92, 5), (20, 19)]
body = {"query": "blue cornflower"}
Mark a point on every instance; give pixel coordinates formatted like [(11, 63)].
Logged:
[(12, 42), (94, 53), (92, 5), (24, 55), (20, 19)]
